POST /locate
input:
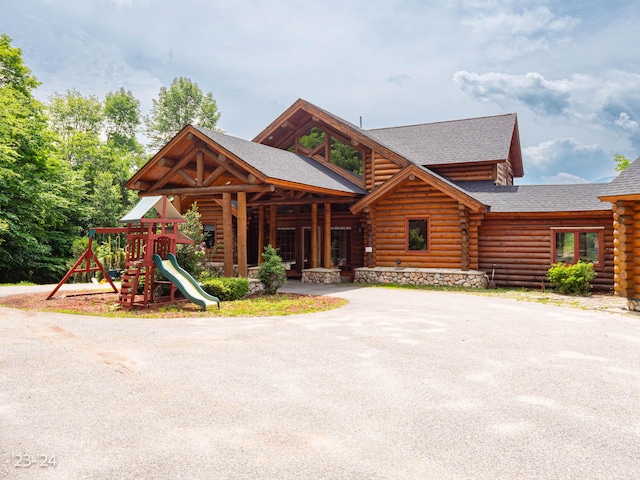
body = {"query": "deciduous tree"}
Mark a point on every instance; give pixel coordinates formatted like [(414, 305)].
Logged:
[(181, 104)]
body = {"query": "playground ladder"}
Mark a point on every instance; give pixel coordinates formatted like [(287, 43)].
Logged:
[(130, 280)]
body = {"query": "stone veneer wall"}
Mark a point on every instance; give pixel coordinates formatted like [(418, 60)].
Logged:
[(320, 275), (422, 276), (633, 304), (255, 286)]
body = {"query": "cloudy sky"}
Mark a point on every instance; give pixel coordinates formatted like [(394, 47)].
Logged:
[(570, 69)]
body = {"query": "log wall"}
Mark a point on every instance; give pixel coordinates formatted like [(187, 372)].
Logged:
[(626, 223), (378, 170), (468, 172), (211, 213), (416, 199), (520, 246)]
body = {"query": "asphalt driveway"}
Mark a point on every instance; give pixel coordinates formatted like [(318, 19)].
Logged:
[(398, 384)]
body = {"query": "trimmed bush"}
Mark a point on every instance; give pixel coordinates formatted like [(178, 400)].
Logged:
[(573, 279), (227, 289), (271, 271)]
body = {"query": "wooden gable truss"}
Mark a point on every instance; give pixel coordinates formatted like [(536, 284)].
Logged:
[(192, 167)]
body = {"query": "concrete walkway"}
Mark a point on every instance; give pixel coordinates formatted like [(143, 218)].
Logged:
[(398, 384)]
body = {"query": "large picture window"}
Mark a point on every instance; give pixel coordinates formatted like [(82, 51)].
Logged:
[(570, 246), (417, 234)]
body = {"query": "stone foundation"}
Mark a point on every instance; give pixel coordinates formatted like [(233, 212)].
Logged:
[(422, 276), (320, 275), (255, 286), (633, 304)]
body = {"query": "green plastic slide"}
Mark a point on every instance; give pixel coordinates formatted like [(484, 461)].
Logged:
[(185, 282)]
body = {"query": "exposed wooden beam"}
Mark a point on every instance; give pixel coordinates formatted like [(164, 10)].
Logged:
[(208, 190), (179, 164), (257, 196), (187, 178), (166, 162), (302, 201), (213, 176), (199, 168), (222, 161), (140, 185)]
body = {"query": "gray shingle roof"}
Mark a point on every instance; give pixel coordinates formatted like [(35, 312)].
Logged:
[(281, 164), (457, 141), (627, 183), (538, 198)]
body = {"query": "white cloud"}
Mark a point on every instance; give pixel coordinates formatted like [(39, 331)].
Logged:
[(562, 178), (624, 121), (532, 89), (609, 100), (505, 30), (560, 160)]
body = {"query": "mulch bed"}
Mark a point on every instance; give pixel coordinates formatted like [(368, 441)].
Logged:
[(107, 304)]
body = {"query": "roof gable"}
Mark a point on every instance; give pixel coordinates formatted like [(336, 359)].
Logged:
[(458, 141), (411, 173), (232, 161)]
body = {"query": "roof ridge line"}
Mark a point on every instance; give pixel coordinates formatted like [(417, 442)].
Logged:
[(442, 121)]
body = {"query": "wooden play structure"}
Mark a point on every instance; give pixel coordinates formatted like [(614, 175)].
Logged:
[(147, 234)]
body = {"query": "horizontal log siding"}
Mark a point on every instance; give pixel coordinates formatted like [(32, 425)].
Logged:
[(521, 248), (211, 213), (417, 200), (467, 172), (380, 170), (635, 238)]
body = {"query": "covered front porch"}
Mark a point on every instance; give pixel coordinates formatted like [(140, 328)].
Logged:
[(251, 195)]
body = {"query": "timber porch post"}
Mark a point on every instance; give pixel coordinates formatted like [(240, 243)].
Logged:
[(227, 234), (314, 235), (242, 235), (464, 233), (273, 213), (327, 236), (260, 232)]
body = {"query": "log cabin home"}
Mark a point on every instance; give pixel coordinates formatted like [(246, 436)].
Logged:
[(433, 203)]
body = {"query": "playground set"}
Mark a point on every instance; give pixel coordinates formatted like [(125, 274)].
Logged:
[(151, 242)]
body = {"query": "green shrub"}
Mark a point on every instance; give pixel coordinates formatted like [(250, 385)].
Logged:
[(271, 271), (207, 274), (574, 279), (227, 289)]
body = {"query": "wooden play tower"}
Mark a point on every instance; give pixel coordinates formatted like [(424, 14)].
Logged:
[(148, 232)]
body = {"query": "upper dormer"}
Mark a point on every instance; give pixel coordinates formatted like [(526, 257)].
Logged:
[(484, 148)]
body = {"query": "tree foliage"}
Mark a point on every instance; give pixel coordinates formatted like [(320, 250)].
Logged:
[(14, 74), (622, 162), (98, 141), (39, 193), (190, 256), (181, 104)]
